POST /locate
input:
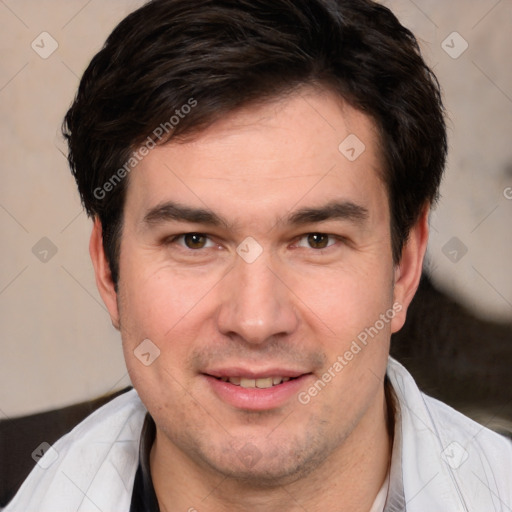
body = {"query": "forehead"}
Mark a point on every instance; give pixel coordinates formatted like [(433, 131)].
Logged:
[(305, 149)]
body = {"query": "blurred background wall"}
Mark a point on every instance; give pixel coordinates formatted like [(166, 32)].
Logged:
[(58, 345)]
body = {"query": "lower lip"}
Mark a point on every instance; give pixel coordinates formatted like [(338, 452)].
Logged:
[(256, 399)]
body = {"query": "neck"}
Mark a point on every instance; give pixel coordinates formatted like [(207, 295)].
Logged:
[(350, 477)]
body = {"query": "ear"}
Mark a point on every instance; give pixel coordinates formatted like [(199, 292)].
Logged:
[(104, 280), (408, 271)]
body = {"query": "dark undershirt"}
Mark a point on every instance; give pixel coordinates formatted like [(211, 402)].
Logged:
[(144, 497)]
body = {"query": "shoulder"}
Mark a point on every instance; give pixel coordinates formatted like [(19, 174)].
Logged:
[(95, 463), (493, 448), (454, 457)]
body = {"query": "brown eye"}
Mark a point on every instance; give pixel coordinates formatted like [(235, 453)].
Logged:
[(318, 240), (195, 240)]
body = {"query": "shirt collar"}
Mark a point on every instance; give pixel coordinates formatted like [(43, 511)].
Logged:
[(395, 501)]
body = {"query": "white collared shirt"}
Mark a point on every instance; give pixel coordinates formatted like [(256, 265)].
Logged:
[(380, 501), (441, 460)]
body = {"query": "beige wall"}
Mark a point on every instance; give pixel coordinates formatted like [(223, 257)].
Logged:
[(58, 345)]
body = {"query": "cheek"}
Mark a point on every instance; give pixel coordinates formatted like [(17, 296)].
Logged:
[(346, 310), (167, 313), (346, 301), (155, 299), (169, 309)]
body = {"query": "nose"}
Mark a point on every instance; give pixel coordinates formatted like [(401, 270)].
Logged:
[(256, 305)]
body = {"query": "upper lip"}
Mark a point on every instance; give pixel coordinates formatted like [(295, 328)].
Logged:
[(254, 374)]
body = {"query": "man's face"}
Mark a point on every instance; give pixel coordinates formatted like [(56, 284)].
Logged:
[(228, 312)]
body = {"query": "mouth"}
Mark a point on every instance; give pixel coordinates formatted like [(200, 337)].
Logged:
[(247, 390), (260, 383)]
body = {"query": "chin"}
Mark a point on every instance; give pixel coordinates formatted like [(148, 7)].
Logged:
[(264, 464)]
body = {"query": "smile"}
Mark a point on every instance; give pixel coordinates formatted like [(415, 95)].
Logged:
[(257, 391), (261, 383)]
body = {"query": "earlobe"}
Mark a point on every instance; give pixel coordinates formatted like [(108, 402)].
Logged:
[(102, 272), (409, 269)]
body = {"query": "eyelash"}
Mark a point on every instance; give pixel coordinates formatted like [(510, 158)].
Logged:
[(331, 237), (175, 240)]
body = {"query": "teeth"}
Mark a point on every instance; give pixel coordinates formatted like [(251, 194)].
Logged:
[(263, 383), (247, 383)]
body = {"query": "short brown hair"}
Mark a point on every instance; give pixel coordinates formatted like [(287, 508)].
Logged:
[(224, 54)]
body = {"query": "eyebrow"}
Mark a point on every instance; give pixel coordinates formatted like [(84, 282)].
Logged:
[(336, 210), (171, 211), (341, 210)]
